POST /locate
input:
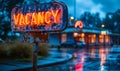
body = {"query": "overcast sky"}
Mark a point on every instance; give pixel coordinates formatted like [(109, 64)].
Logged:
[(93, 6), (102, 6)]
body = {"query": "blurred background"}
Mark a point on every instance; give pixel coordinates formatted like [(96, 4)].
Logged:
[(93, 14)]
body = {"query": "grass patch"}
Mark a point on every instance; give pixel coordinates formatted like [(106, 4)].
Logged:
[(24, 59), (43, 49), (22, 51), (41, 57)]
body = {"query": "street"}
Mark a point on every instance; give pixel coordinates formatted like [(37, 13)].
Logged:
[(60, 35), (92, 58)]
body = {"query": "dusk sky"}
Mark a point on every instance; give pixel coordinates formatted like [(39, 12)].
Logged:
[(93, 6), (102, 6)]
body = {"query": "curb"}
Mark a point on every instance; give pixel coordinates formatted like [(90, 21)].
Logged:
[(65, 60)]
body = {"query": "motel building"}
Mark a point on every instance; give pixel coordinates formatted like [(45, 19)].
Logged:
[(55, 19), (91, 36)]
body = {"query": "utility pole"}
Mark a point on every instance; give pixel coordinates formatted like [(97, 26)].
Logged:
[(35, 54), (75, 9)]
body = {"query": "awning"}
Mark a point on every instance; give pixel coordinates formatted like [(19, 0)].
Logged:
[(115, 34), (72, 29)]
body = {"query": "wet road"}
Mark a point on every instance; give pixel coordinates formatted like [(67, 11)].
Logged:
[(93, 58)]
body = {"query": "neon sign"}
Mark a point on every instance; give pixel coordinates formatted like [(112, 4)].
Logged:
[(79, 24), (43, 17), (104, 32)]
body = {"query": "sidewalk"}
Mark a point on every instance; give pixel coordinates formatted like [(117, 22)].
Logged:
[(54, 58)]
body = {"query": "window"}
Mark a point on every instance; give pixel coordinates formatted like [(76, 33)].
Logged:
[(64, 38), (101, 38)]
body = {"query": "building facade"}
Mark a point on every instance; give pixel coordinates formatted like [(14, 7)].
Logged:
[(89, 36)]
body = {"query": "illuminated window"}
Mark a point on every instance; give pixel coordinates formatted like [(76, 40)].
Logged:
[(82, 35), (101, 38), (103, 32), (92, 38), (107, 39), (75, 34), (79, 37), (64, 38)]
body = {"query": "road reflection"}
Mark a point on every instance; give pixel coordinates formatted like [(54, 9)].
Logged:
[(103, 52), (92, 58), (79, 61), (92, 53)]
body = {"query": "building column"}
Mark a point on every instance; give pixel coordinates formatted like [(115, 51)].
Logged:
[(97, 39)]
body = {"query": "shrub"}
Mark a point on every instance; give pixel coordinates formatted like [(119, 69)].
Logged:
[(43, 49), (21, 50), (3, 51)]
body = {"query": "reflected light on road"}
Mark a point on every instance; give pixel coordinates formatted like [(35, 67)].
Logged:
[(79, 62), (82, 59), (102, 56), (102, 68), (64, 53), (70, 68), (107, 50), (93, 52), (103, 52), (79, 67), (74, 54)]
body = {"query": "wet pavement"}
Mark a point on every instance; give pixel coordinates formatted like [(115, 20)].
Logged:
[(55, 58), (92, 58)]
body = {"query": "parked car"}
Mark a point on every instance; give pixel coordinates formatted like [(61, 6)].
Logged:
[(68, 44), (80, 44)]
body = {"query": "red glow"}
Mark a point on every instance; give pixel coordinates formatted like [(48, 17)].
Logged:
[(79, 24), (27, 18), (40, 18), (34, 19), (47, 18), (102, 54), (21, 21), (54, 13), (79, 67), (16, 19)]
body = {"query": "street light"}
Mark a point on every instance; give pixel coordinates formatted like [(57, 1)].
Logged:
[(102, 25), (103, 32), (71, 18)]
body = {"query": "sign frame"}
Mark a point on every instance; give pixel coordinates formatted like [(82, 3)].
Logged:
[(57, 29)]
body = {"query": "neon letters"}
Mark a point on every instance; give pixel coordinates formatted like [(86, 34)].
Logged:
[(43, 17), (40, 18)]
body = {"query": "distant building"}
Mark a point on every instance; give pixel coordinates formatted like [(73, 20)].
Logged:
[(91, 36)]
